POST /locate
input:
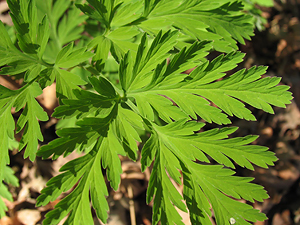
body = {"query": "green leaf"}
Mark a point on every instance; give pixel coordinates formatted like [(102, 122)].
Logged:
[(77, 202), (102, 46), (15, 61), (43, 35), (244, 85), (122, 40), (164, 191), (219, 21), (103, 10), (47, 77), (148, 45), (66, 83), (82, 137), (202, 182), (70, 139), (7, 195), (86, 102), (24, 17), (132, 75), (65, 23), (32, 34), (196, 201), (126, 125), (104, 152), (29, 120), (247, 86), (129, 11), (209, 141), (69, 57), (8, 126), (110, 149), (33, 38), (118, 42), (104, 87), (225, 208), (70, 26), (10, 179), (32, 72)]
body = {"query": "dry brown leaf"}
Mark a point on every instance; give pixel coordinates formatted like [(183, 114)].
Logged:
[(29, 216), (7, 221), (5, 18), (289, 174), (48, 97)]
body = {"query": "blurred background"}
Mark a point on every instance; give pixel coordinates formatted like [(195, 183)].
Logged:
[(277, 45)]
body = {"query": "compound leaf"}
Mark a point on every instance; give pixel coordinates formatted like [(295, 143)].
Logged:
[(103, 11), (13, 61), (66, 82), (64, 20), (110, 149), (105, 152), (164, 191), (153, 88), (125, 126), (10, 179), (222, 22), (135, 74), (85, 103), (6, 133), (204, 20), (201, 181), (244, 85), (88, 168), (29, 120), (70, 139), (70, 57)]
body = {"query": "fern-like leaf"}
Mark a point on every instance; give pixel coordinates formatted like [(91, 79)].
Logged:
[(197, 18), (65, 20), (153, 42), (29, 119), (219, 21), (244, 85), (10, 179), (202, 182), (88, 168)]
